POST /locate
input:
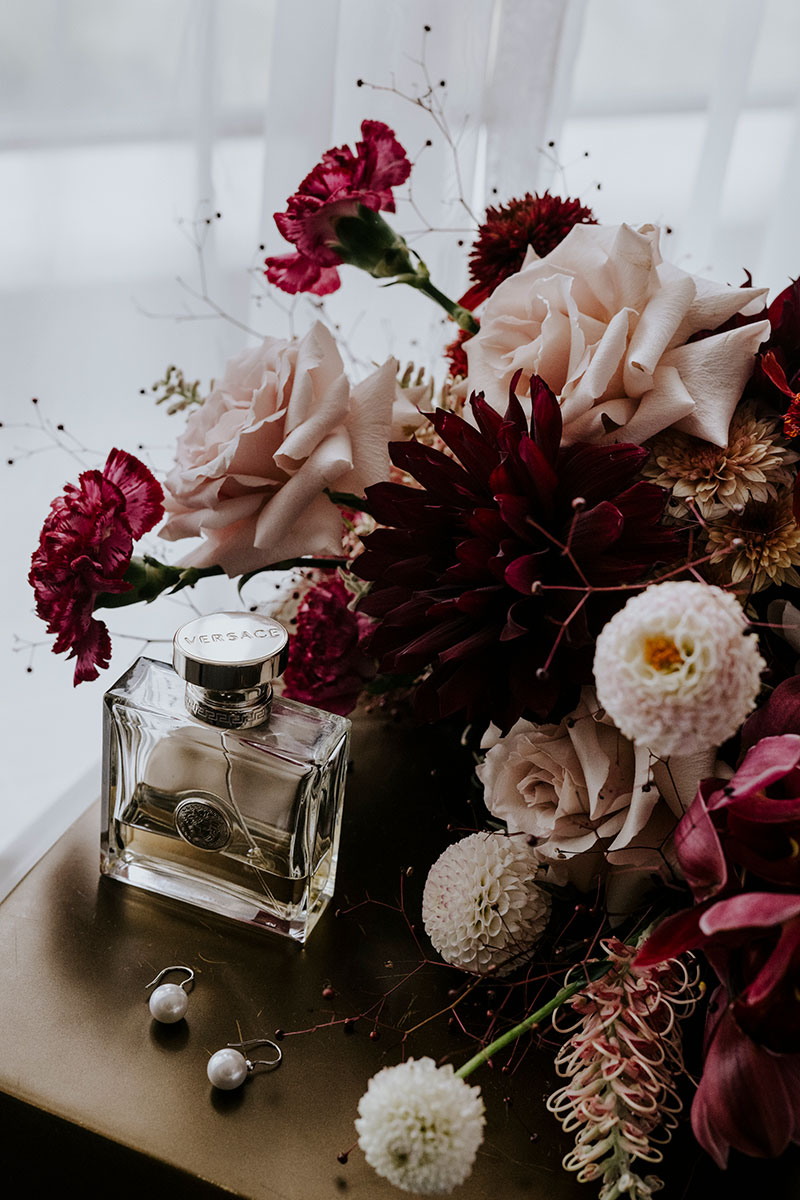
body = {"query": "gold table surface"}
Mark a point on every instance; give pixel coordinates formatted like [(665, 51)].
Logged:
[(77, 1042)]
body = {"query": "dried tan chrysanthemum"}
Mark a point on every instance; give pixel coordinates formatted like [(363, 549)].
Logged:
[(760, 546), (753, 465)]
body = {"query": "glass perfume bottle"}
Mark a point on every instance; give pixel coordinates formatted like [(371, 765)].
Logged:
[(215, 792)]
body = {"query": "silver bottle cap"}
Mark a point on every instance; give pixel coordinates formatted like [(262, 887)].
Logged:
[(230, 652)]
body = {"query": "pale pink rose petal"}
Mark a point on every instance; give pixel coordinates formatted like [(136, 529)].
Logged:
[(281, 426), (714, 371), (599, 319)]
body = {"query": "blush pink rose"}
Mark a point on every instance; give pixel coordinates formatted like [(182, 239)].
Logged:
[(583, 794), (611, 329), (251, 467)]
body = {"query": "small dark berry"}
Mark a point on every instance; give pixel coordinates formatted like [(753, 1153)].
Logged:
[(374, 1035), (341, 1157), (359, 83), (60, 428), (427, 28), (551, 144), (328, 992), (279, 1035)]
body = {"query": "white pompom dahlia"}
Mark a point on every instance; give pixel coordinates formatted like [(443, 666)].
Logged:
[(675, 668), (420, 1126), (481, 908)]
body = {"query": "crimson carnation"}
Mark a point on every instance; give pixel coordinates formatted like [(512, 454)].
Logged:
[(507, 232), (490, 574), (84, 550), (338, 187), (327, 663), (457, 355)]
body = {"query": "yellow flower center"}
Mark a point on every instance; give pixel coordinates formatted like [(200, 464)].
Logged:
[(662, 654)]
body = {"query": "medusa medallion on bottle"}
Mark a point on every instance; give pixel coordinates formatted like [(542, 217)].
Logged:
[(216, 792)]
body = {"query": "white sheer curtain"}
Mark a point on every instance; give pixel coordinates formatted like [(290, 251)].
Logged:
[(122, 125)]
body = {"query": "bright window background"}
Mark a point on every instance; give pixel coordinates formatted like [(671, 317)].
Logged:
[(121, 125)]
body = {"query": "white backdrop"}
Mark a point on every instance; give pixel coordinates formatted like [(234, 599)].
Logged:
[(121, 124)]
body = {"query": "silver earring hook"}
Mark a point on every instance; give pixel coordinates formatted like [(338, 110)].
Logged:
[(259, 1062), (185, 983)]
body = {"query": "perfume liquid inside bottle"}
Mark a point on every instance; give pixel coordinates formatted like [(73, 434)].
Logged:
[(217, 794)]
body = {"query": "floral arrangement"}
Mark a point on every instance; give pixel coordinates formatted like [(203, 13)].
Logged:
[(581, 556)]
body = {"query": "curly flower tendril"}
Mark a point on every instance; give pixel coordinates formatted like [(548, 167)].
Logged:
[(623, 1053)]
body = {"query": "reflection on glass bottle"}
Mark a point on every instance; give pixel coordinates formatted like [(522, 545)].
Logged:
[(216, 794)]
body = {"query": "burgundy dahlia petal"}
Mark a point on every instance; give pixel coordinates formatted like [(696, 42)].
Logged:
[(500, 559)]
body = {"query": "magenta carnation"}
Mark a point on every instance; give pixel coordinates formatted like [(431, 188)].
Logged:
[(327, 663), (338, 186), (84, 550)]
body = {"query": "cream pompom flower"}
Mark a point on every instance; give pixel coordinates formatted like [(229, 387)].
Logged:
[(675, 669), (480, 907), (420, 1126)]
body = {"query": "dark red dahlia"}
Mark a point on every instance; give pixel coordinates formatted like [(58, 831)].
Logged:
[(340, 185), (84, 550), (328, 666), (507, 232), (490, 575)]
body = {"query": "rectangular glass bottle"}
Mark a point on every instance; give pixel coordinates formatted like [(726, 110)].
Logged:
[(243, 822)]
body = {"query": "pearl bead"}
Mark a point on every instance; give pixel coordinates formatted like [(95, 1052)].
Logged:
[(227, 1069), (169, 1003)]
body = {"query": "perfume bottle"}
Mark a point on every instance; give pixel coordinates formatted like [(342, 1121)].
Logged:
[(215, 792)]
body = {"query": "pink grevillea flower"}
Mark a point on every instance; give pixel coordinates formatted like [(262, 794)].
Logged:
[(84, 550), (327, 663), (620, 1062), (339, 187)]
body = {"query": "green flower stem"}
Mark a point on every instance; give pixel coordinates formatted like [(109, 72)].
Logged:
[(511, 1035), (462, 316), (149, 578), (365, 240), (536, 1018)]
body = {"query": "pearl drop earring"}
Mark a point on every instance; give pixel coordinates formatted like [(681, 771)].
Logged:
[(228, 1069), (169, 1002)]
